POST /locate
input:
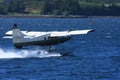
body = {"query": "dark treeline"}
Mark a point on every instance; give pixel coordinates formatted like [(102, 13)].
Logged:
[(61, 7)]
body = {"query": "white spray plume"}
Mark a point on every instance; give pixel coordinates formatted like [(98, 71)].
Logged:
[(26, 53)]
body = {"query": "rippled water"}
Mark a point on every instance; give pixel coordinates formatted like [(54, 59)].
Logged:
[(95, 56)]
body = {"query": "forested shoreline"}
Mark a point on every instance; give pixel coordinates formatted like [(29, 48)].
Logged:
[(60, 7)]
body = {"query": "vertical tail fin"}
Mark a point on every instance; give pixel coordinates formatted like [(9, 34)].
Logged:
[(18, 36)]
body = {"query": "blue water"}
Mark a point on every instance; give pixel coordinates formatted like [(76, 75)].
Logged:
[(95, 56)]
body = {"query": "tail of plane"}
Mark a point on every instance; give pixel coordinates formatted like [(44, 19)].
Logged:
[(18, 36)]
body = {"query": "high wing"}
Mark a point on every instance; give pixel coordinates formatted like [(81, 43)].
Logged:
[(52, 33), (70, 33)]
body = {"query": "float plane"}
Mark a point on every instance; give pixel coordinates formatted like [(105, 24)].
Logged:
[(27, 38)]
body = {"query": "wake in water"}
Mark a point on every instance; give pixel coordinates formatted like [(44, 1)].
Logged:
[(27, 53)]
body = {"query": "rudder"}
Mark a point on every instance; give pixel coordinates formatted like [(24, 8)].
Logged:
[(18, 36)]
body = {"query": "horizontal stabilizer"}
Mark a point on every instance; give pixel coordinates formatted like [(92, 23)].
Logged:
[(10, 32), (8, 37)]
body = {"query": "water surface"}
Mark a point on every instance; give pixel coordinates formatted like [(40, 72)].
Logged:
[(95, 56)]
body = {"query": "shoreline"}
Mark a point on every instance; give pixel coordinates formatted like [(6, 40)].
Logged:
[(53, 16)]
